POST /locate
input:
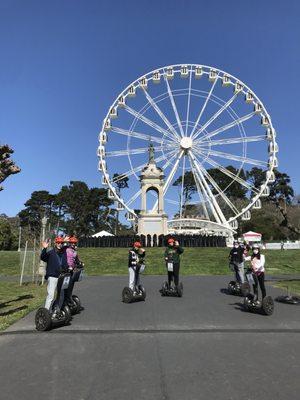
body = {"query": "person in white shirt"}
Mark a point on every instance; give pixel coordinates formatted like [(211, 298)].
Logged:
[(258, 270)]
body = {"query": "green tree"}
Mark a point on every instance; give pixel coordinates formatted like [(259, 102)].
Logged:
[(83, 210), (189, 187), (6, 237), (122, 183), (232, 189), (41, 203)]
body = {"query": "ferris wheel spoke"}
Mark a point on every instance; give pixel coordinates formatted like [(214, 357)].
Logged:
[(225, 171), (142, 150), (182, 187), (161, 114), (201, 192), (149, 122), (216, 210), (189, 101), (218, 189), (227, 126), (233, 157), (133, 171), (174, 105), (169, 160), (246, 139), (133, 198), (137, 135), (170, 177), (211, 120), (203, 107)]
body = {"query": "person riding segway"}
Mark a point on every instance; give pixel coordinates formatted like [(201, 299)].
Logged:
[(58, 277), (238, 287), (172, 259), (75, 267), (257, 273), (136, 265)]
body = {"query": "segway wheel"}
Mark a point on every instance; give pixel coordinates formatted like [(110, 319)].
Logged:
[(42, 319), (68, 315), (164, 288), (78, 303), (142, 289), (248, 301), (245, 289), (268, 305), (231, 287), (127, 295)]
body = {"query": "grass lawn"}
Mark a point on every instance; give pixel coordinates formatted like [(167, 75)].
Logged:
[(194, 261), (293, 287), (17, 301)]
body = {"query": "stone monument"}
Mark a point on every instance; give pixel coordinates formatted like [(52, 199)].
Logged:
[(152, 222)]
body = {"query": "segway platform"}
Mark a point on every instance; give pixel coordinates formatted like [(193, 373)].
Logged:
[(45, 320), (171, 291), (238, 289), (265, 307), (130, 296), (295, 300)]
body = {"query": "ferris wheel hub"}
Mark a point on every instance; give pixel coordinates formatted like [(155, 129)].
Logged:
[(186, 143)]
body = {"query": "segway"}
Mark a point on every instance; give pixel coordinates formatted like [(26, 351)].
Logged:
[(73, 301), (238, 289), (265, 307), (138, 293), (171, 291), (45, 319)]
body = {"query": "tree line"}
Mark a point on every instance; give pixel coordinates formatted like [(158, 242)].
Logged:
[(83, 211)]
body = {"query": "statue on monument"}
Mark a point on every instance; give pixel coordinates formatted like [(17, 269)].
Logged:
[(151, 152)]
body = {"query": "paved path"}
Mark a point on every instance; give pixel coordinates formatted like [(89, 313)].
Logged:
[(202, 346)]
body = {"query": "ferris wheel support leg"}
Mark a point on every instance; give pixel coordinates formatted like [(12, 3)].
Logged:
[(220, 218), (201, 191)]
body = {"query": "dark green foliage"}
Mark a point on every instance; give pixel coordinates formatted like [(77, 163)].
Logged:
[(76, 209), (5, 234), (233, 190)]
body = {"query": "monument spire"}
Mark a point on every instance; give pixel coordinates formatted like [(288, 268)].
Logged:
[(151, 153)]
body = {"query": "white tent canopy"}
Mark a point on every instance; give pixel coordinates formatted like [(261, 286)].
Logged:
[(102, 233), (252, 236)]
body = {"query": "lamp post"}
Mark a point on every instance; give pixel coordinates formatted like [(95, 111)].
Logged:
[(20, 233), (42, 267)]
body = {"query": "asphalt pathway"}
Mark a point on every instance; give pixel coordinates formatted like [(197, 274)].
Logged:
[(201, 346)]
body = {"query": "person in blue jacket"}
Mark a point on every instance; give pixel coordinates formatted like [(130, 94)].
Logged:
[(57, 262)]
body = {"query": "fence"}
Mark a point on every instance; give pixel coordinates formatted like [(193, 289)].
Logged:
[(156, 241), (283, 246), (29, 263)]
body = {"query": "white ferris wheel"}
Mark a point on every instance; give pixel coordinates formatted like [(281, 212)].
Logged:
[(199, 120)]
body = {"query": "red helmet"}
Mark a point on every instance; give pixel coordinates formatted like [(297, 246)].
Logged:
[(171, 240), (59, 239), (73, 239), (137, 244)]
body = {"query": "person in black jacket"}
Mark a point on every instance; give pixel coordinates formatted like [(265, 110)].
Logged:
[(56, 260), (172, 258), (236, 261)]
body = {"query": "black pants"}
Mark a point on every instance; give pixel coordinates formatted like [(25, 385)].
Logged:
[(174, 275), (69, 290), (259, 279)]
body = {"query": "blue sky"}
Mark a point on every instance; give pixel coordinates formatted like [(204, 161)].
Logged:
[(64, 62)]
